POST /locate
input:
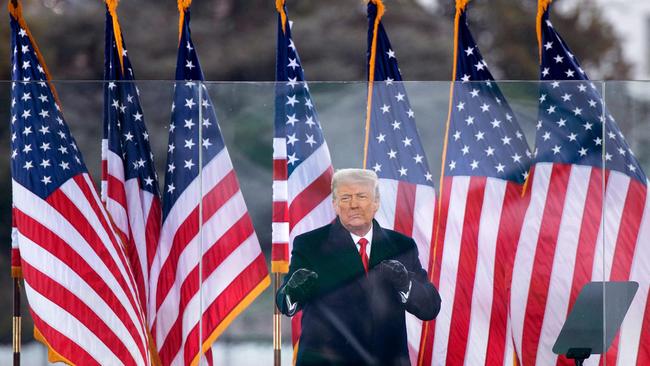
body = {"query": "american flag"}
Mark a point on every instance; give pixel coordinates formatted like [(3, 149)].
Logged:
[(577, 230), (81, 291), (223, 255), (395, 153), (486, 162), (302, 168), (129, 182)]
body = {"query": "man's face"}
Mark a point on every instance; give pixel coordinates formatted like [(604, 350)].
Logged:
[(356, 205)]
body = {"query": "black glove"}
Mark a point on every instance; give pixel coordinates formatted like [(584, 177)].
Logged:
[(301, 285), (396, 274)]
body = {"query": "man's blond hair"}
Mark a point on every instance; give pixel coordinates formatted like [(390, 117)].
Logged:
[(358, 176)]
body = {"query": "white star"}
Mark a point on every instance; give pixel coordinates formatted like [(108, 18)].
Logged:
[(111, 85), (137, 116), (293, 63), (292, 139), (26, 65), (428, 176), (189, 103), (410, 113), (206, 122), (587, 126), (407, 141), (206, 143), (542, 98), (577, 111), (292, 159), (189, 144), (308, 103), (566, 97), (27, 130), (572, 137), (399, 97), (392, 154), (469, 51), (474, 93), (545, 72), (516, 158), (172, 127), (561, 122), (389, 81), (474, 164), (385, 108), (292, 45), (608, 156), (291, 100), (592, 103), (611, 135), (569, 73), (44, 130), (310, 121), (14, 153), (64, 165), (485, 107), (45, 163), (418, 158), (582, 87), (188, 164), (456, 135), (479, 135), (396, 125), (402, 171), (546, 136), (148, 181), (556, 149), (496, 123), (469, 120), (24, 48), (460, 106), (310, 140), (129, 98), (582, 152), (46, 179), (500, 168), (489, 151), (189, 65), (465, 78), (598, 141), (555, 84), (621, 151), (506, 140), (170, 188), (390, 53), (376, 168), (558, 59), (293, 82), (551, 109), (452, 165), (631, 167), (45, 146), (381, 137), (128, 136), (22, 32), (189, 124), (291, 120), (465, 150), (28, 165), (479, 66), (27, 113), (171, 167)]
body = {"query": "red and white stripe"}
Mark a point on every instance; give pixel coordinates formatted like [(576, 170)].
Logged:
[(409, 209), (479, 224), (570, 237), (227, 252), (80, 287), (301, 202), (136, 215)]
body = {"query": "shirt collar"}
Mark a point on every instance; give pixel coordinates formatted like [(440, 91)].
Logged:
[(368, 236)]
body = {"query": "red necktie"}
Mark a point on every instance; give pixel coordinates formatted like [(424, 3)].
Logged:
[(363, 243)]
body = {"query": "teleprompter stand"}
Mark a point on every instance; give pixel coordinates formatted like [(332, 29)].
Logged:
[(594, 320)]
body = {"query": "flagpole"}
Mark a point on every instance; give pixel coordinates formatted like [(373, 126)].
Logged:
[(277, 330), (16, 322)]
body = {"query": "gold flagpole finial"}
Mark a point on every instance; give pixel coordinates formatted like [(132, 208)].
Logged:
[(112, 9), (279, 6), (542, 5), (183, 5)]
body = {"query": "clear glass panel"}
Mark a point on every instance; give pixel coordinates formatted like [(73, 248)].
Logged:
[(547, 251)]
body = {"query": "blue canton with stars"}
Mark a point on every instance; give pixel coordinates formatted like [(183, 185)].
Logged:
[(484, 136), (43, 153), (571, 114), (193, 126), (296, 119), (394, 147), (124, 126)]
